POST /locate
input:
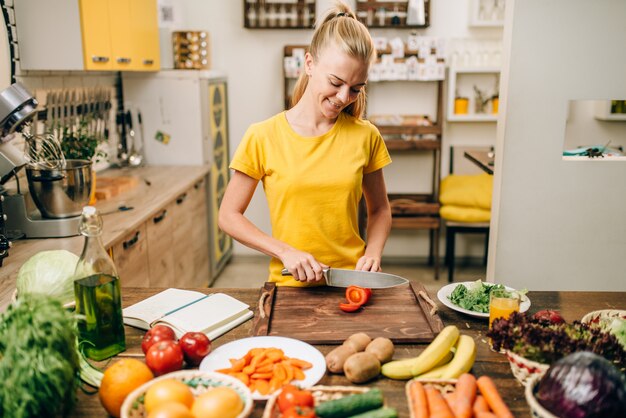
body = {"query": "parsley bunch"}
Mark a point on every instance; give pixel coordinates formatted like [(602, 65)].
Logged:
[(475, 298)]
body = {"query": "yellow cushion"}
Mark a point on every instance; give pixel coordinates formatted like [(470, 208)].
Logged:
[(472, 191), (464, 214)]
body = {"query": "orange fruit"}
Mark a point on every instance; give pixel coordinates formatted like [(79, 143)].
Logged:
[(167, 391), (171, 410), (119, 380), (219, 402)]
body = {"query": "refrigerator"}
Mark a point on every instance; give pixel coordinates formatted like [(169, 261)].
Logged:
[(184, 121)]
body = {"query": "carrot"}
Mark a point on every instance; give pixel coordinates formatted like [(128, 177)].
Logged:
[(465, 396), (225, 371), (298, 374), (304, 365), (485, 414), (241, 376), (266, 376), (450, 398), (494, 400), (263, 386), (437, 405), (480, 405), (256, 359), (275, 384), (238, 364), (275, 354), (419, 403)]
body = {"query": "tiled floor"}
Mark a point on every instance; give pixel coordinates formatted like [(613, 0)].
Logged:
[(251, 271)]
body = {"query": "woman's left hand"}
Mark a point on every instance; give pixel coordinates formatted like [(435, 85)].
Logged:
[(368, 263)]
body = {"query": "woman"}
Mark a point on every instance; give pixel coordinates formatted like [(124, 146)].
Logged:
[(315, 161)]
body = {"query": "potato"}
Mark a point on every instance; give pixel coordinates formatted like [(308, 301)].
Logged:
[(336, 358), (358, 341), (382, 348), (361, 367)]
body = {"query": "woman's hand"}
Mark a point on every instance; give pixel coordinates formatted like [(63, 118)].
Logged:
[(303, 266), (368, 263)]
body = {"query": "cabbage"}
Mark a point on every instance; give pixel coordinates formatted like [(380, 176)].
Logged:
[(583, 385), (49, 273), (617, 327)]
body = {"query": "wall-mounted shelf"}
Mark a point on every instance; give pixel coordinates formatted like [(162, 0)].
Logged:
[(610, 110), (462, 81), (268, 14), (394, 14), (487, 13)]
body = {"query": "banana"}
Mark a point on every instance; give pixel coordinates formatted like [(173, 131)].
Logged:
[(463, 359), (432, 356)]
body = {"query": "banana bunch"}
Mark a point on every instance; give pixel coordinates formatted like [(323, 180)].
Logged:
[(448, 356)]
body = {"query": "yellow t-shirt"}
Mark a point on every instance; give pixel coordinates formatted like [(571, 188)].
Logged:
[(313, 185)]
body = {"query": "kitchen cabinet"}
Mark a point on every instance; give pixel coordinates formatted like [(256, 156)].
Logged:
[(131, 258), (98, 35), (463, 82)]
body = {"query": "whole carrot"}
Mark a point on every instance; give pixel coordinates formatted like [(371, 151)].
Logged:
[(465, 396), (437, 404), (480, 405), (419, 403), (494, 400)]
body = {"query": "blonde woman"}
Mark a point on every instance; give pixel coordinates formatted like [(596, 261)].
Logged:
[(315, 161)]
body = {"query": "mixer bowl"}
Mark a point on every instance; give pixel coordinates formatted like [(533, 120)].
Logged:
[(61, 193)]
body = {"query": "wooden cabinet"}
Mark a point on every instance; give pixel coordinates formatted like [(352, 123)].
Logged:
[(100, 35), (131, 258), (160, 255)]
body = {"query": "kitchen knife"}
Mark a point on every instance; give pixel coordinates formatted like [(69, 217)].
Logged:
[(370, 279)]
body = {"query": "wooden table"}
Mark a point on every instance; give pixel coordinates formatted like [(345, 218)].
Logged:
[(572, 305), (483, 159)]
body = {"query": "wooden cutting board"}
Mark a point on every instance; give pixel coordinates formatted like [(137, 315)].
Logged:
[(402, 314)]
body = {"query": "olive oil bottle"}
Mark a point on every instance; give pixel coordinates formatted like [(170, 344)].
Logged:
[(97, 292)]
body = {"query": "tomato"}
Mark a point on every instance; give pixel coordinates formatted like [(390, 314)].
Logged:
[(299, 412), (291, 396), (156, 334), (164, 357), (195, 346), (358, 295), (349, 307)]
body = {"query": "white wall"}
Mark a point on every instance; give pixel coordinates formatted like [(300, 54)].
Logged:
[(557, 225), (252, 59)]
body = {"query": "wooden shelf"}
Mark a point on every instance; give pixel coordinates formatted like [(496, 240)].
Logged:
[(395, 14), (417, 144), (261, 14), (477, 75)]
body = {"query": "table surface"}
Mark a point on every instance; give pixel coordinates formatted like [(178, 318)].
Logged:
[(483, 159), (572, 305)]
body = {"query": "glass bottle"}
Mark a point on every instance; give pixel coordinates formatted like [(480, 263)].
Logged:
[(97, 291)]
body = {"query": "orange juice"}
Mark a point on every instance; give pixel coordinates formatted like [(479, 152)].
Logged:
[(502, 304)]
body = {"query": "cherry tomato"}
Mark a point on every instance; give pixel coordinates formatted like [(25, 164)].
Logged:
[(164, 357), (299, 412), (349, 307), (195, 346), (156, 334), (290, 396), (358, 295)]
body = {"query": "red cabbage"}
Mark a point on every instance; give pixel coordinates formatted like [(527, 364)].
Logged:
[(583, 385)]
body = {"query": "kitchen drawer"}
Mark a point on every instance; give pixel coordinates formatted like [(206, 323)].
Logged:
[(182, 236), (160, 255), (131, 258), (200, 234)]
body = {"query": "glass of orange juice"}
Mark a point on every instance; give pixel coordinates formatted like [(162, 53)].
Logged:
[(503, 303)]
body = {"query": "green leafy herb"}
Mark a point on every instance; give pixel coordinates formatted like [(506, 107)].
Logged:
[(38, 358), (475, 298)]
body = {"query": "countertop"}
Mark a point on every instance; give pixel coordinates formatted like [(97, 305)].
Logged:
[(157, 186)]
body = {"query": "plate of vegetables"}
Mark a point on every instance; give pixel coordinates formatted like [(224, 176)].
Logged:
[(472, 298)]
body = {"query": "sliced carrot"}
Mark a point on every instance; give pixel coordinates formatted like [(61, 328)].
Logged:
[(275, 354), (238, 364), (280, 372), (418, 400), (485, 414), (241, 376), (298, 374), (465, 396), (252, 385), (480, 405), (262, 386), (437, 404), (256, 359), (255, 351), (225, 371), (303, 364), (269, 368), (267, 376), (275, 384), (492, 396)]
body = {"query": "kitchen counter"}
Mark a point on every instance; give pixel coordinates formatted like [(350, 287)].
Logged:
[(157, 186), (572, 305)]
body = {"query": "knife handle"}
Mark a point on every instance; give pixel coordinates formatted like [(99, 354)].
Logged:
[(285, 272)]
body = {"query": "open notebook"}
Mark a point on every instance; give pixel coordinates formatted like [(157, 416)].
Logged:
[(188, 310)]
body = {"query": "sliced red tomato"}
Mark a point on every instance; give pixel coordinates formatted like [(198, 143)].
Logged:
[(358, 295), (349, 307), (291, 396)]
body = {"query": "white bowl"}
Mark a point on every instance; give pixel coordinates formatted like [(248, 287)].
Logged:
[(198, 381), (536, 410)]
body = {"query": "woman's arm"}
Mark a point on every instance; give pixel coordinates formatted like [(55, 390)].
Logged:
[(378, 220), (232, 221)]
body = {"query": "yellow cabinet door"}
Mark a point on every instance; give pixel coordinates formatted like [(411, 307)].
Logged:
[(94, 19), (145, 35), (121, 34)]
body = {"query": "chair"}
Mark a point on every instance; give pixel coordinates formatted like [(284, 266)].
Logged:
[(468, 189)]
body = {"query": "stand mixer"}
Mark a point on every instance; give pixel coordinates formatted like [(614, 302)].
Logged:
[(58, 191)]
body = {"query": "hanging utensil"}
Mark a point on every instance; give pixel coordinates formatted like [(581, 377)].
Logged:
[(134, 158)]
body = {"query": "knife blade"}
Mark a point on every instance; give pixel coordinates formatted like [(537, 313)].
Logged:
[(370, 279)]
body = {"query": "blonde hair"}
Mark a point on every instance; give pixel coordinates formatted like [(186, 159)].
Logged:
[(340, 27)]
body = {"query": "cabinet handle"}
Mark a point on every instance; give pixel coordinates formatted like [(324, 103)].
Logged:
[(122, 60), (181, 198), (148, 62), (198, 184), (98, 58), (160, 217), (132, 241)]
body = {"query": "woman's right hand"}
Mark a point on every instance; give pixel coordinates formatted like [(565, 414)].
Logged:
[(303, 266)]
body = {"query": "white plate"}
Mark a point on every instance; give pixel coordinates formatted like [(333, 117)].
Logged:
[(447, 290), (218, 359)]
